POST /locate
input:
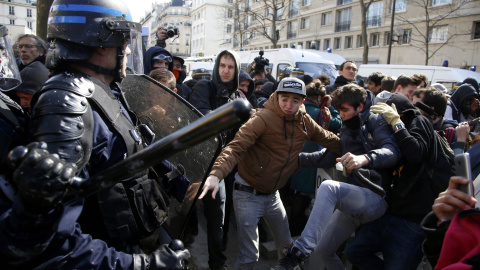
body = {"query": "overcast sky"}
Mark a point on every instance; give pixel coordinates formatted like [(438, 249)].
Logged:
[(139, 7)]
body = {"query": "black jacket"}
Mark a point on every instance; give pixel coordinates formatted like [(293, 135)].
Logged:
[(340, 81), (413, 190)]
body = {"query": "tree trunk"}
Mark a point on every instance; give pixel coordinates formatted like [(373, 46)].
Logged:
[(364, 31), (43, 6)]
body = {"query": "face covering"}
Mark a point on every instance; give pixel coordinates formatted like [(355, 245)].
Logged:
[(353, 123)]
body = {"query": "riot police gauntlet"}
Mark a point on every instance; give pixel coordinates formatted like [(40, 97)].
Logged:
[(41, 178), (169, 257)]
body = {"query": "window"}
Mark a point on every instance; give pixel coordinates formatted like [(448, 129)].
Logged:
[(268, 11), (28, 1), (374, 39), (279, 12), (305, 23), (177, 41), (187, 32), (12, 22), (374, 14), (438, 34), (441, 2), (400, 6), (229, 13), (29, 25), (326, 43), (337, 43), (343, 2), (11, 10), (178, 21), (230, 1), (359, 41), (29, 12), (229, 28), (293, 8), (254, 34), (186, 43), (407, 35), (326, 18), (342, 21), (386, 39), (476, 30), (348, 42), (306, 2), (291, 29)]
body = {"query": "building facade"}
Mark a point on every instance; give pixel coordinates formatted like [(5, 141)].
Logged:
[(442, 29), (20, 17)]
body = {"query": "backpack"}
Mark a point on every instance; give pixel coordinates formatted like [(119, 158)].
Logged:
[(323, 118)]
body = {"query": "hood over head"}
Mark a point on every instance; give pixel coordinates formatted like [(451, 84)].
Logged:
[(152, 52), (462, 92), (243, 76), (473, 82), (216, 76), (404, 106)]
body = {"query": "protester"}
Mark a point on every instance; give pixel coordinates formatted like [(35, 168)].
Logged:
[(33, 77), (375, 82), (264, 93), (32, 48), (368, 152), (348, 74), (266, 149), (463, 106)]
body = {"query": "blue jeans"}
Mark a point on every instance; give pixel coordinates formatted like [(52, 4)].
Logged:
[(249, 208), (214, 212), (339, 209), (398, 239)]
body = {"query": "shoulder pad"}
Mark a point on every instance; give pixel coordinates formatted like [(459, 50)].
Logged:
[(59, 102), (71, 82)]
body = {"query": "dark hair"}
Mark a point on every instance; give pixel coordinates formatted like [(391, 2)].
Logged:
[(420, 91), (191, 83), (343, 64), (419, 78), (324, 79), (404, 81), (261, 82), (376, 78), (351, 93), (307, 79), (387, 83), (315, 89), (435, 98), (42, 45)]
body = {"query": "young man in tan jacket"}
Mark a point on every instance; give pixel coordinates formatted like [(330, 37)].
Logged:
[(266, 149)]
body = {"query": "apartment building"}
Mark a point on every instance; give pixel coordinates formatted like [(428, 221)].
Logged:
[(19, 16), (453, 34)]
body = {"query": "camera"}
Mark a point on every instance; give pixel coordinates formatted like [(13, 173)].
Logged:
[(172, 31), (260, 62)]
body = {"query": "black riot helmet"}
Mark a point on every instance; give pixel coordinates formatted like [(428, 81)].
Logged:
[(77, 27), (9, 74)]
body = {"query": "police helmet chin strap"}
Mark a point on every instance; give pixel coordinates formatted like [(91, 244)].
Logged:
[(115, 73)]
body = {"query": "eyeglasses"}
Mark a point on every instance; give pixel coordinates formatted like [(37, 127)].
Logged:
[(27, 46), (163, 57)]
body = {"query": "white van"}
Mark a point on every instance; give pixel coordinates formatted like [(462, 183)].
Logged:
[(445, 75), (311, 63), (335, 58)]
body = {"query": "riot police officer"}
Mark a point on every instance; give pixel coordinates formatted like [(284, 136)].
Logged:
[(82, 116)]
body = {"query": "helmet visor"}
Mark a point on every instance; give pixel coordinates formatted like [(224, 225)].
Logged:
[(9, 74), (135, 58)]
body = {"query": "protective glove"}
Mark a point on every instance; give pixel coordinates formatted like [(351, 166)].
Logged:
[(172, 257), (389, 113), (42, 178)]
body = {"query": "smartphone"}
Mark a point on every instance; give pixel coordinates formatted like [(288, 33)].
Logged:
[(463, 168)]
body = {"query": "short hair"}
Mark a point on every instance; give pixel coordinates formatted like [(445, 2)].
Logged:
[(343, 64), (418, 92), (419, 78), (435, 98), (324, 79), (164, 76), (260, 82), (376, 78), (351, 93), (387, 83), (191, 83), (404, 81), (315, 89), (42, 45)]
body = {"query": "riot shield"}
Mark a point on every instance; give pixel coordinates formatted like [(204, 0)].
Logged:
[(165, 112)]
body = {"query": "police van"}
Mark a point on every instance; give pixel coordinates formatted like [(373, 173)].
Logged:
[(279, 59), (445, 75)]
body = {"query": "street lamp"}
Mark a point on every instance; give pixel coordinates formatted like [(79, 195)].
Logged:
[(397, 33)]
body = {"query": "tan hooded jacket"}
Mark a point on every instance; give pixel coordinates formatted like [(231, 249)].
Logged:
[(266, 147)]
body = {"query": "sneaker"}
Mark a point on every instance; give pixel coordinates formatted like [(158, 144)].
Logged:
[(292, 261)]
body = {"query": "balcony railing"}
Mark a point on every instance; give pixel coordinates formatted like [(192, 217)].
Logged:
[(342, 26), (291, 34)]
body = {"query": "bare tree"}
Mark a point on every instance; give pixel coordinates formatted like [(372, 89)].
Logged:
[(430, 20), (236, 23), (364, 10), (270, 19)]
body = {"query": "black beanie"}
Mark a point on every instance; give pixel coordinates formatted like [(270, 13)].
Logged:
[(33, 77)]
